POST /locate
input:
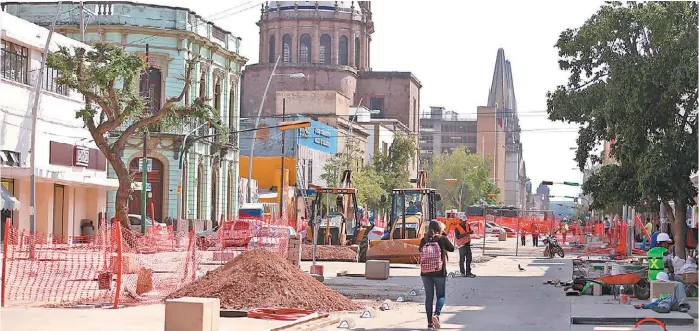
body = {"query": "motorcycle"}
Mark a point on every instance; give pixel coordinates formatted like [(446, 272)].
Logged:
[(552, 247)]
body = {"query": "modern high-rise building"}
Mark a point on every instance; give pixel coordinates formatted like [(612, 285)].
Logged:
[(502, 99)]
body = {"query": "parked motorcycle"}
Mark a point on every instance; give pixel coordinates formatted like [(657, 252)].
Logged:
[(552, 247)]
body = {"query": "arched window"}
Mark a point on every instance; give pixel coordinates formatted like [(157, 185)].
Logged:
[(286, 48), (272, 50), (344, 48), (200, 192), (325, 49), (305, 49), (214, 198), (229, 199), (217, 94), (202, 85), (356, 52)]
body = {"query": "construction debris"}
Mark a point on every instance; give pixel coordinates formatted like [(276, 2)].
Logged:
[(260, 279), (329, 253)]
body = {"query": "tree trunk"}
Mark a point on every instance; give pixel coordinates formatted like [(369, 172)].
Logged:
[(679, 228)]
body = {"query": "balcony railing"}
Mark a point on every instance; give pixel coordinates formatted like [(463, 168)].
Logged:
[(183, 128)]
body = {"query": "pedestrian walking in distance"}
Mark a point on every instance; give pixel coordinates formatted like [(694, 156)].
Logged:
[(463, 242), (433, 270)]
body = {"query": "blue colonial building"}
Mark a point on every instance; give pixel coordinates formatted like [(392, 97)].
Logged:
[(203, 185)]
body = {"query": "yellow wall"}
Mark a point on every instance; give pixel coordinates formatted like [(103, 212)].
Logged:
[(265, 169)]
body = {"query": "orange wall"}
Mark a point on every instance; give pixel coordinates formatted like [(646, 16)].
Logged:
[(265, 169)]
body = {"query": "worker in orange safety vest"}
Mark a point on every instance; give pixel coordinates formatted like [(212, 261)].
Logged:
[(463, 242)]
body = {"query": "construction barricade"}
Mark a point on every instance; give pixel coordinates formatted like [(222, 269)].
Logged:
[(119, 266)]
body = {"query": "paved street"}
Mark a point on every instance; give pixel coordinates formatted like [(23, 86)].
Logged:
[(501, 298)]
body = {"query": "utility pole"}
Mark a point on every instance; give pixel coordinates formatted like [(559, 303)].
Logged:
[(281, 182), (35, 114), (82, 21), (144, 164)]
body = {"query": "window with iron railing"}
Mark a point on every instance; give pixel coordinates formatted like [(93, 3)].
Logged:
[(50, 82), (15, 62)]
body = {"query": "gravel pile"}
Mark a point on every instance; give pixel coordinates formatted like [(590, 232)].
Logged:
[(328, 253), (261, 279)]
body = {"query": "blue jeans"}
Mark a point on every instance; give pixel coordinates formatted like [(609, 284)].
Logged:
[(433, 283)]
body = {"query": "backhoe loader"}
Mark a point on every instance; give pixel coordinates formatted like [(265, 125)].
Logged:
[(411, 211), (341, 225)]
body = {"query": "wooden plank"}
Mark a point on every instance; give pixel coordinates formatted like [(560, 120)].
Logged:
[(321, 324), (302, 320)]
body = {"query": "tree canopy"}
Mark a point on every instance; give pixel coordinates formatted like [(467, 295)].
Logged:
[(633, 82), (470, 171)]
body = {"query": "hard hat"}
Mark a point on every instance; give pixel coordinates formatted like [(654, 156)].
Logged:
[(662, 276), (663, 237), (463, 218)]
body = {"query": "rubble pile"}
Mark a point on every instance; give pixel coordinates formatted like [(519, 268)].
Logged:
[(261, 279), (328, 253), (392, 247)]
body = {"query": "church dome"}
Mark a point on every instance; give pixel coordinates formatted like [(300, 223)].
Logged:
[(342, 6)]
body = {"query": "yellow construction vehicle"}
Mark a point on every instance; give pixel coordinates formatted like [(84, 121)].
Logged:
[(411, 211), (341, 226)]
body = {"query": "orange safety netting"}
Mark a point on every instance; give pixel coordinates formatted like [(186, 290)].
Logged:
[(118, 266)]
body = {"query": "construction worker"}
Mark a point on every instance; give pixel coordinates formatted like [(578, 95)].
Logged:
[(463, 242), (665, 241), (535, 235)]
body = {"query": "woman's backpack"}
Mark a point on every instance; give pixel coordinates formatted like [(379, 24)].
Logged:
[(431, 257)]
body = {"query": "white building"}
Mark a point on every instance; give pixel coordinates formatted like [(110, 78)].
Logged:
[(71, 177), (382, 132)]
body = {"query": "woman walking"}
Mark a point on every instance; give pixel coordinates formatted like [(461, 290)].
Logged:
[(433, 269)]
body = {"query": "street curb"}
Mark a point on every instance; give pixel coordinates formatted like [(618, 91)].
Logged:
[(674, 321)]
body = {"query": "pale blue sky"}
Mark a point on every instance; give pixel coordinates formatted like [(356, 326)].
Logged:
[(451, 47)]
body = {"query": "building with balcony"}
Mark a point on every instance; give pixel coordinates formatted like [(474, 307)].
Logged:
[(209, 171), (71, 173)]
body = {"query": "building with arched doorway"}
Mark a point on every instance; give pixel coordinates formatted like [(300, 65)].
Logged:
[(201, 183), (330, 43)]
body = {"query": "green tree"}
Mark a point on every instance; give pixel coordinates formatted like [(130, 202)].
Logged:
[(369, 187), (471, 175), (633, 81), (394, 166), (109, 78)]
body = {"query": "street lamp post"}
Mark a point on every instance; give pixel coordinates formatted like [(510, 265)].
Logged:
[(257, 121)]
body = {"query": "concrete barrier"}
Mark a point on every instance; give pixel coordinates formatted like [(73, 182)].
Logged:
[(192, 314)]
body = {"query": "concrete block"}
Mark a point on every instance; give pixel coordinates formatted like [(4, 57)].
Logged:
[(368, 312), (192, 314), (502, 236), (377, 269), (347, 323), (657, 288)]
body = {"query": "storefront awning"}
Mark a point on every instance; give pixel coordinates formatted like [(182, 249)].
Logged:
[(7, 201)]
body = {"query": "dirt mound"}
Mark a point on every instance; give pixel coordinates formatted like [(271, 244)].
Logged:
[(328, 253), (261, 279), (392, 247)]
